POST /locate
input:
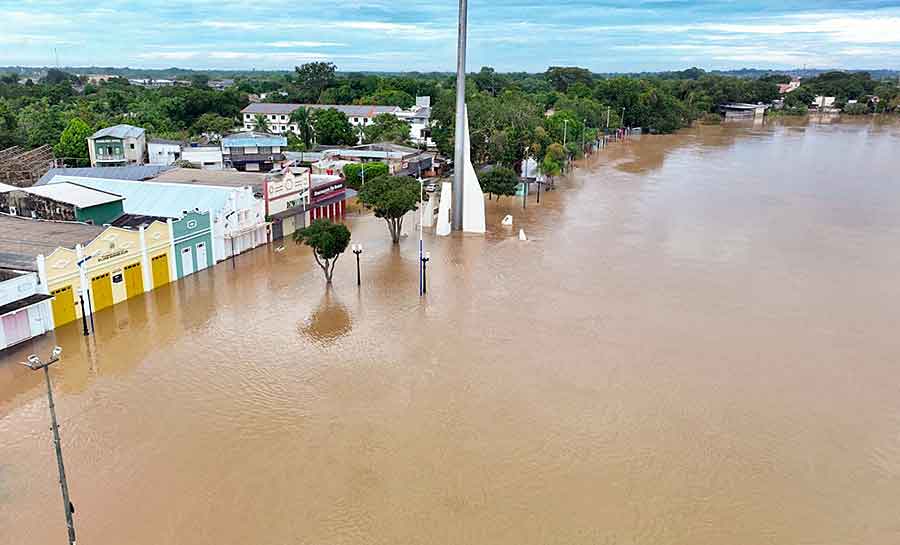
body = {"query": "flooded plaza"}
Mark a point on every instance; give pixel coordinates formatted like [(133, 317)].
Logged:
[(697, 346)]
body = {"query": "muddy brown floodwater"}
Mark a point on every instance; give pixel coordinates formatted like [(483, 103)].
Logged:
[(698, 345)]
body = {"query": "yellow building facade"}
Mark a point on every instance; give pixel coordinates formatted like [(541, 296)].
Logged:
[(115, 266)]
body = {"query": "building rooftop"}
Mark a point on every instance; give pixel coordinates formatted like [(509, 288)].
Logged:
[(127, 221), (350, 110), (22, 240), (164, 200), (74, 194), (252, 139), (221, 178), (132, 172), (119, 131), (164, 141)]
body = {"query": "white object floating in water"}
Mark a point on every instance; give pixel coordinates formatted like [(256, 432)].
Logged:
[(522, 234), (508, 220), (279, 249)]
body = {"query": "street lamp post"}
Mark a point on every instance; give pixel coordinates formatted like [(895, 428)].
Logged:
[(358, 249), (421, 239), (35, 364), (425, 259)]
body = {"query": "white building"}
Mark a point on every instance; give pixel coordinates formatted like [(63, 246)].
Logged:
[(24, 308), (167, 152), (205, 157), (278, 116), (163, 152), (287, 199), (419, 119)]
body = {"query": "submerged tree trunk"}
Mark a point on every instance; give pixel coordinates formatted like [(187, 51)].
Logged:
[(395, 226), (327, 267)]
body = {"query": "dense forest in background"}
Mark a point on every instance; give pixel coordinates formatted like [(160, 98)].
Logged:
[(511, 114)]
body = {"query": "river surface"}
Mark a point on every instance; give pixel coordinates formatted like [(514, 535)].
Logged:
[(698, 346)]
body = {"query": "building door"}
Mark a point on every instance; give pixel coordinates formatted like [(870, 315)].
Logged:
[(134, 280), (160, 265), (187, 262), (63, 306), (277, 230), (16, 327), (202, 262), (101, 287)]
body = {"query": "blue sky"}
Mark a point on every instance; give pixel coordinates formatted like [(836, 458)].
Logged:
[(510, 35)]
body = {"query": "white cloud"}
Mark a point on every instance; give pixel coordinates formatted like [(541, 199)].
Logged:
[(170, 55), (286, 44)]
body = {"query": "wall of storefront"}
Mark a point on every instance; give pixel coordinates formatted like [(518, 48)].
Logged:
[(25, 323), (123, 263), (192, 236)]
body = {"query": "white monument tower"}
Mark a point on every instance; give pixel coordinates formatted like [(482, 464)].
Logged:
[(465, 200)]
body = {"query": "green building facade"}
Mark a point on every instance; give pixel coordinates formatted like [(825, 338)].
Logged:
[(100, 214), (192, 236)]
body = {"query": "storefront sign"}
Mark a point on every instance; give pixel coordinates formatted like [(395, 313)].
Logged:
[(112, 255), (324, 190)]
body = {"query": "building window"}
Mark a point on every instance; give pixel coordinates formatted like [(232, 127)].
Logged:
[(248, 127), (131, 146), (284, 118)]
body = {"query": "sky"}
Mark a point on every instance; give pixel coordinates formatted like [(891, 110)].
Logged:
[(407, 35)]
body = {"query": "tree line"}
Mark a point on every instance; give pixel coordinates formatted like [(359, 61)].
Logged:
[(544, 116)]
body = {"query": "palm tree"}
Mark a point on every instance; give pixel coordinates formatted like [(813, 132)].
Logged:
[(301, 117), (262, 124)]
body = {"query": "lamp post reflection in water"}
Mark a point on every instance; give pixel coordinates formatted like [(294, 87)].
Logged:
[(35, 364)]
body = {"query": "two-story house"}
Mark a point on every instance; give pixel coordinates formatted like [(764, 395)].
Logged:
[(253, 151), (119, 145)]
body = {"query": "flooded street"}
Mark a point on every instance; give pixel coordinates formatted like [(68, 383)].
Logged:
[(697, 346)]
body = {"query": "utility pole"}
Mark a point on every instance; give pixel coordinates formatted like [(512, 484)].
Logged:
[(35, 364), (459, 152)]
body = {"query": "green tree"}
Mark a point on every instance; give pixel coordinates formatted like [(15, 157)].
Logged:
[(9, 126), (328, 241), (332, 128), (200, 80), (500, 181), (353, 173), (391, 197), (313, 78), (387, 128), (390, 97), (857, 108), (73, 142), (302, 118), (550, 168), (564, 77), (261, 122), (212, 123)]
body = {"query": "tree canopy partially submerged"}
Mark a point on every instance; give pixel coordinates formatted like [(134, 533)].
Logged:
[(328, 241), (390, 198)]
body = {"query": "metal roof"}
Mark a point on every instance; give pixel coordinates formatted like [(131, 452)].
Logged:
[(21, 239), (132, 172), (163, 200), (222, 178), (252, 139), (120, 131), (350, 110), (74, 194)]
